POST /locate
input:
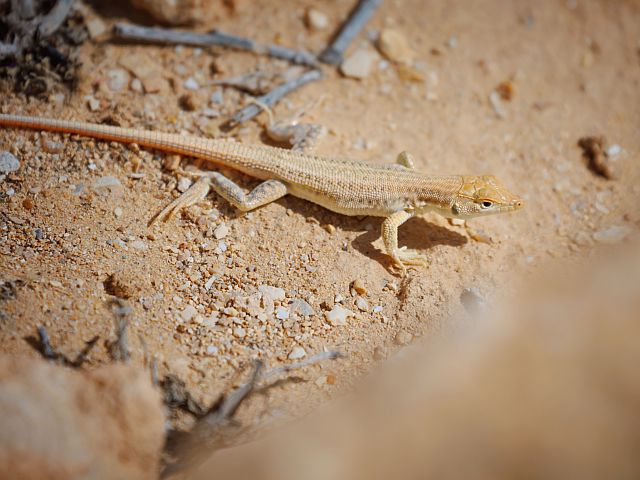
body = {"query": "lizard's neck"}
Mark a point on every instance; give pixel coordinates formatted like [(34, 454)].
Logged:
[(437, 193)]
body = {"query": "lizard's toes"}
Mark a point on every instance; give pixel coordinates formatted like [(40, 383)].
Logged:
[(197, 192), (404, 258)]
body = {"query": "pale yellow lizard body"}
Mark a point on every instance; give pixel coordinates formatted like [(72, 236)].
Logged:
[(350, 187)]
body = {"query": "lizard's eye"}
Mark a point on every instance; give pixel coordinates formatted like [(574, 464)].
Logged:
[(486, 204)]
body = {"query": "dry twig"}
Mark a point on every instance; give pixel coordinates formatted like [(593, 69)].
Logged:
[(214, 429), (43, 345), (172, 37), (358, 18), (251, 110)]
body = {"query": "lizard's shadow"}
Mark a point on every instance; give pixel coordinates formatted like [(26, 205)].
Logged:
[(417, 233)]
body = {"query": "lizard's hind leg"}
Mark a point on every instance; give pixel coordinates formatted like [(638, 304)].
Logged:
[(267, 192)]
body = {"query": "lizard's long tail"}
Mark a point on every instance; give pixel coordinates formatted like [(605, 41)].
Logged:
[(168, 142)]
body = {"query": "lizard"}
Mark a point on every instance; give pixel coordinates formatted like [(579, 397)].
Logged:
[(394, 191)]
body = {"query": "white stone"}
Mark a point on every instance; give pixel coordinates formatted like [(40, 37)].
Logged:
[(221, 231), (274, 293), (8, 162), (191, 84), (117, 79), (362, 304), (282, 313), (301, 307), (188, 313), (317, 20), (612, 235), (359, 64), (297, 353), (338, 315), (183, 184), (614, 150)]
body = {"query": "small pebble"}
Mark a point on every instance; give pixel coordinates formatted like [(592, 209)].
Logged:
[(297, 353), (183, 184), (117, 212), (362, 304), (37, 233), (217, 98), (136, 86), (8, 162), (27, 204), (117, 79), (301, 307), (95, 27), (359, 64), (614, 150), (191, 84), (274, 294), (221, 231), (612, 235), (496, 103), (359, 287), (188, 313), (316, 20), (394, 46), (282, 313), (212, 350), (338, 315), (239, 332), (93, 103)]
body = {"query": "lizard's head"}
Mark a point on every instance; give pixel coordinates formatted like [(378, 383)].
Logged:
[(483, 195)]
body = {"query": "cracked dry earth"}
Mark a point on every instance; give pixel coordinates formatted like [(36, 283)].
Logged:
[(211, 290)]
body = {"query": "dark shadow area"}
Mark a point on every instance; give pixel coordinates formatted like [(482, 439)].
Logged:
[(417, 233)]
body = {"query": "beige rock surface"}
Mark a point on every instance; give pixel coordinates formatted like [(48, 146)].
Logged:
[(57, 423)]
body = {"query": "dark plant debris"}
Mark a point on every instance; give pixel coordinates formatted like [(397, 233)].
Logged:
[(42, 345), (594, 151), (38, 45)]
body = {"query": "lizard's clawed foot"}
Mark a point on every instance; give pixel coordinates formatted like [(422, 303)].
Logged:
[(197, 192), (403, 258)]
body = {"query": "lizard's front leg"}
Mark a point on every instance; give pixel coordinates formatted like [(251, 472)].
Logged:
[(267, 192), (402, 257)]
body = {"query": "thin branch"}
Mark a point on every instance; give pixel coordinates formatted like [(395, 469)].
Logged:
[(55, 18), (312, 360), (247, 113), (119, 348), (43, 345), (164, 36), (358, 18), (210, 430)]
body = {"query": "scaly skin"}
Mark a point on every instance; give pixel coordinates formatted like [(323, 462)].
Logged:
[(350, 187)]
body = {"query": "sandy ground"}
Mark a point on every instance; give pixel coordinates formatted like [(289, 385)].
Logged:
[(575, 70)]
